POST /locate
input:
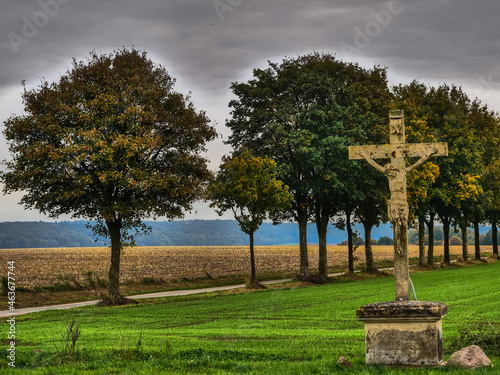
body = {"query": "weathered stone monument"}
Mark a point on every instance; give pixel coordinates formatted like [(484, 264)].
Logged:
[(401, 332)]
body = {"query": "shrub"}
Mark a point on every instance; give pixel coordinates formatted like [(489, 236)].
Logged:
[(384, 240), (484, 335), (93, 281), (67, 352), (152, 281), (455, 241)]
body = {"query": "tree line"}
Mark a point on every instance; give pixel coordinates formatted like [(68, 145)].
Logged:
[(305, 112), (112, 142), (485, 239), (14, 235)]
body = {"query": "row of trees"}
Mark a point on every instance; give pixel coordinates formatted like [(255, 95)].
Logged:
[(304, 114), (464, 190), (383, 240), (75, 234), (112, 142), (438, 236)]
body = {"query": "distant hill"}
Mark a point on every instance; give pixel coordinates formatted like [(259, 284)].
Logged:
[(176, 233)]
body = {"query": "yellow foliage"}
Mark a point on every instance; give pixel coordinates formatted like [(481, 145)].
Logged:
[(419, 181)]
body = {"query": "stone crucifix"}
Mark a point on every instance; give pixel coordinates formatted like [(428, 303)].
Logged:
[(396, 171)]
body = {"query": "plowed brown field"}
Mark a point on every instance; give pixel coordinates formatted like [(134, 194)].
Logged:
[(46, 266)]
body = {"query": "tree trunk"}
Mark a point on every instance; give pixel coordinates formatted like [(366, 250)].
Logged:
[(421, 241), (304, 258), (430, 249), (446, 238), (114, 228), (465, 244), (477, 246), (370, 264), (350, 247), (494, 236), (322, 227), (253, 277)]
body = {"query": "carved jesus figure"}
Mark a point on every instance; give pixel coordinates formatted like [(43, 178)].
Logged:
[(398, 204), (396, 171)]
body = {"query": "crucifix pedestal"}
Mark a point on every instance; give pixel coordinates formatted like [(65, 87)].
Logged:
[(386, 344), (403, 333)]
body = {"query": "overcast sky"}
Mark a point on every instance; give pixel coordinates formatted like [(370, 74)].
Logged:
[(207, 44)]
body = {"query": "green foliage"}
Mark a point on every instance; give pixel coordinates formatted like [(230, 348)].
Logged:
[(385, 240), (357, 241), (304, 113), (485, 239), (442, 114), (248, 186), (460, 188)]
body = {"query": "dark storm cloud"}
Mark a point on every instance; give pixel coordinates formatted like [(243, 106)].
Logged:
[(207, 44), (448, 39), (211, 43), (203, 43)]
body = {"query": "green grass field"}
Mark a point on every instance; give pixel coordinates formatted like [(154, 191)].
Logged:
[(280, 331)]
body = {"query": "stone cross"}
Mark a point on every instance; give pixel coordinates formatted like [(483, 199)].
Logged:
[(396, 171)]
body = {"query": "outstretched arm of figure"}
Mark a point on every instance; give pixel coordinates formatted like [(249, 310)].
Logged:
[(421, 161), (372, 162)]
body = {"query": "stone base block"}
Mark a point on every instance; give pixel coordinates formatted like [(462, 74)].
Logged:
[(403, 333)]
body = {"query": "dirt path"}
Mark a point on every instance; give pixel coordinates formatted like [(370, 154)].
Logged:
[(16, 312), (172, 293)]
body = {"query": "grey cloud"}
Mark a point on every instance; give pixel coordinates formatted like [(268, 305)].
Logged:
[(454, 41), (436, 39)]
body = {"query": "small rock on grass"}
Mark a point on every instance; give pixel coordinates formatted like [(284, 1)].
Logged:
[(471, 357), (344, 362)]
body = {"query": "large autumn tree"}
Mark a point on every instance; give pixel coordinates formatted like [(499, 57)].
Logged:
[(110, 142), (247, 185)]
